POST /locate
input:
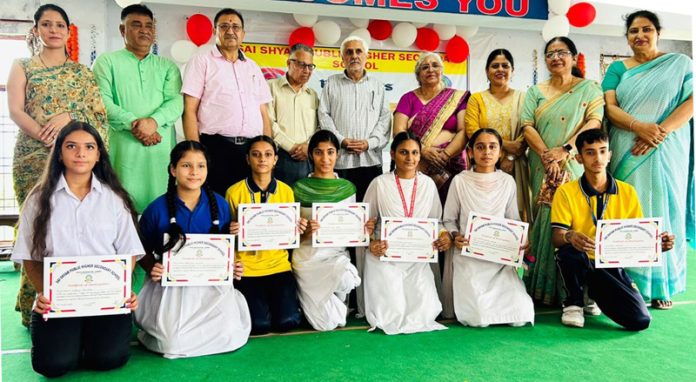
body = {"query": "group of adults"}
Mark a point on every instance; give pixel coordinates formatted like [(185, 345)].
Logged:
[(133, 98)]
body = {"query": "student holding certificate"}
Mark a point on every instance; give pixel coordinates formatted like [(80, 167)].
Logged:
[(325, 276), (576, 208), (267, 282), (401, 297), (484, 293), (187, 321), (79, 208)]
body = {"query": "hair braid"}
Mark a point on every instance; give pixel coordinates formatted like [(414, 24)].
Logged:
[(174, 231), (212, 203)]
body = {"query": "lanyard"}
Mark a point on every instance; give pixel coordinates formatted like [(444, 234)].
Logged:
[(413, 195), (605, 202)]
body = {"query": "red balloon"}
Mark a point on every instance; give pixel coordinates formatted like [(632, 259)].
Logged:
[(457, 50), (427, 39), (581, 14), (379, 29), (302, 35), (199, 29)]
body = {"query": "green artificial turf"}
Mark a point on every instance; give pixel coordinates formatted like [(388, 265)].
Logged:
[(548, 351)]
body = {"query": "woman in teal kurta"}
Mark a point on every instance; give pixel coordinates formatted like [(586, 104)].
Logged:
[(554, 113), (649, 105)]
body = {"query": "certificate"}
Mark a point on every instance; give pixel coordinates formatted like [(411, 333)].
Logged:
[(495, 239), (83, 286), (628, 243), (203, 260), (341, 224), (410, 239), (268, 226)]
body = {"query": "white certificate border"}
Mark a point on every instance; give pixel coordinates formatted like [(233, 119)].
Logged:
[(168, 281), (386, 221), (242, 210), (517, 260), (316, 243), (599, 239), (50, 264)]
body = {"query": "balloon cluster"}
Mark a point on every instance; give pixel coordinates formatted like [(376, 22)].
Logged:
[(199, 30), (562, 15), (403, 34)]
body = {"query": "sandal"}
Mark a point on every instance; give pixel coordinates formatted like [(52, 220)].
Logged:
[(661, 304)]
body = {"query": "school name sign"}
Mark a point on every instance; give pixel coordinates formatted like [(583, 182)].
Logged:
[(527, 9)]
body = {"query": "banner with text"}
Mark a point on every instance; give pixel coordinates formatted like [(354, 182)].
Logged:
[(396, 69)]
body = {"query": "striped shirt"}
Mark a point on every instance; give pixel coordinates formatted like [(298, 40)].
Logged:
[(356, 110)]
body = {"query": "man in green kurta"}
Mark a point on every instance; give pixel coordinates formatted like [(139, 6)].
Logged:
[(142, 95)]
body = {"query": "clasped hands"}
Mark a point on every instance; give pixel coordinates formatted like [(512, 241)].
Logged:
[(355, 146), (145, 130), (552, 159), (648, 136)]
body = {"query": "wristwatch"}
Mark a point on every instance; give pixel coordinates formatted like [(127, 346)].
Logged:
[(568, 147), (510, 157)]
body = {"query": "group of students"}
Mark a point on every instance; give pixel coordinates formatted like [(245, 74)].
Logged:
[(66, 214)]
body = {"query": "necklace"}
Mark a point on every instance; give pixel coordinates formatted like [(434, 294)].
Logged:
[(44, 64)]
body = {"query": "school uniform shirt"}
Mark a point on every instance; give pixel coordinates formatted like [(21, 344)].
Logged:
[(155, 220), (268, 262), (577, 205), (97, 225)]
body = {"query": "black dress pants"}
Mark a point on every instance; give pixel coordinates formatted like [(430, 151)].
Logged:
[(611, 288), (272, 301)]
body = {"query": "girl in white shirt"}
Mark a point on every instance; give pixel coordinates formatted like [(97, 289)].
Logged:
[(79, 208)]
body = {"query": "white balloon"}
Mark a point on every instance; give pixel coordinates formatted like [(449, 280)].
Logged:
[(404, 34), (305, 20), (419, 25), (556, 26), (182, 50), (327, 32), (559, 7), (466, 32), (125, 3), (445, 31), (360, 23), (364, 34)]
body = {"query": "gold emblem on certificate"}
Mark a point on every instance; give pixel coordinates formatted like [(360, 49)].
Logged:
[(84, 286), (409, 239), (628, 243), (203, 260), (268, 226), (340, 224), (495, 239)]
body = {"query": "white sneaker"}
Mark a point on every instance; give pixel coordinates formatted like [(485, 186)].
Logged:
[(573, 316), (591, 309)]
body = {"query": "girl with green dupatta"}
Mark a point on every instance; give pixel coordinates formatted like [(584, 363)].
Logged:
[(325, 276), (554, 113), (649, 105)]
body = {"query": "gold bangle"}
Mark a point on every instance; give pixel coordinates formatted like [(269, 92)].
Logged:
[(630, 126), (565, 236)]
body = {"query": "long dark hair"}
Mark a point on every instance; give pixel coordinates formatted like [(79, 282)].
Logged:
[(175, 232), (52, 173), (575, 71)]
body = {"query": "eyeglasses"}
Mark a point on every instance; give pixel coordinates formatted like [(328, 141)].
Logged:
[(302, 65), (235, 28), (557, 53), (424, 68)]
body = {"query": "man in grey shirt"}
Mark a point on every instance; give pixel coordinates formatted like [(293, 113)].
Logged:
[(353, 106)]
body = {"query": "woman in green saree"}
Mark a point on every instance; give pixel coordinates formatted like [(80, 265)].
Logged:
[(554, 113), (649, 105)]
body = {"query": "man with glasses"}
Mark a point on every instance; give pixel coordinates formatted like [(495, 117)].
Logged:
[(225, 102), (142, 95), (353, 106), (293, 114)]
